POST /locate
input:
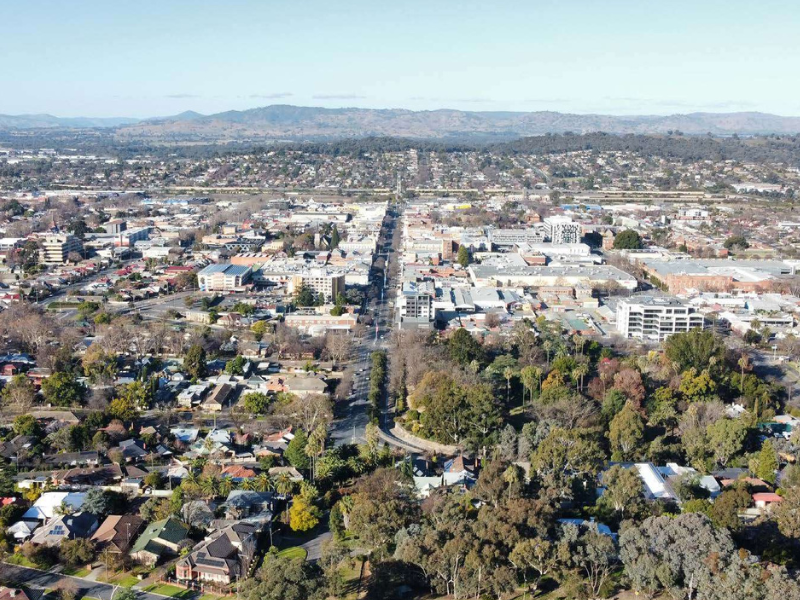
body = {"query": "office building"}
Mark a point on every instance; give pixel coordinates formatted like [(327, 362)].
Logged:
[(56, 249), (223, 278), (319, 281)]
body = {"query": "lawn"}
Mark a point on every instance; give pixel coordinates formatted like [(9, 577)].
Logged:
[(293, 552), (209, 597), (172, 591), (126, 580), (75, 572), (18, 559)]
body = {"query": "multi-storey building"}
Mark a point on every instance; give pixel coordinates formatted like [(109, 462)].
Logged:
[(656, 318), (319, 281), (563, 230), (223, 278), (56, 249)]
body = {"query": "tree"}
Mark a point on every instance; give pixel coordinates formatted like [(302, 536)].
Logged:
[(464, 348), (304, 296), (627, 240), (102, 503), (727, 506), (296, 451), (259, 329), (736, 242), (629, 382), (335, 238), (62, 389), (695, 348), (281, 578), (565, 455), (626, 434), (787, 513), (591, 552), (98, 364), (726, 438), (535, 554), (463, 256), (303, 515), (195, 362), (236, 365), (256, 403), (672, 554), (155, 509), (123, 408), (19, 392), (767, 462), (27, 425), (79, 551), (623, 489)]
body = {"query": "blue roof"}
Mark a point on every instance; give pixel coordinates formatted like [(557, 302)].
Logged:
[(226, 268)]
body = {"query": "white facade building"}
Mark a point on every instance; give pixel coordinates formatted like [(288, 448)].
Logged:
[(656, 318)]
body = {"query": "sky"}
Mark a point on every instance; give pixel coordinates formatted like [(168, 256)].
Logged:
[(145, 58)]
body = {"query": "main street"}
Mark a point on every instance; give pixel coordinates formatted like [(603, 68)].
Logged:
[(352, 416)]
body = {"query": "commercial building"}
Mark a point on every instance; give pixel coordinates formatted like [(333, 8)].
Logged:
[(537, 276), (415, 302), (223, 278), (511, 237), (56, 249), (656, 318)]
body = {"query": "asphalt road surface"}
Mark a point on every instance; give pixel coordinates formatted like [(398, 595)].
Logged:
[(39, 581)]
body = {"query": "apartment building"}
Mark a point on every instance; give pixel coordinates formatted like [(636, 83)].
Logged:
[(415, 302), (656, 318), (320, 281), (563, 230), (56, 249)]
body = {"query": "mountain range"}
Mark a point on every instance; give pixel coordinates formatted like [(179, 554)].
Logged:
[(286, 122)]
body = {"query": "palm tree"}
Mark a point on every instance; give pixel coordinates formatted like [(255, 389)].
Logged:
[(225, 486), (579, 341), (528, 377), (579, 372), (548, 347), (264, 483), (508, 373), (744, 364), (284, 484), (208, 486)]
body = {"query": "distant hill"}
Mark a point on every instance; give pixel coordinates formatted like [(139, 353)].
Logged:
[(10, 122), (310, 123), (302, 123)]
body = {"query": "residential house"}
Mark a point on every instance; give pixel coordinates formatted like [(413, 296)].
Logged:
[(65, 527), (252, 507), (460, 471), (23, 530), (117, 533), (159, 539), (222, 558), (9, 593), (49, 504)]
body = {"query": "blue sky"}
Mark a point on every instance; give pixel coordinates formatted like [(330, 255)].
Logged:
[(145, 58)]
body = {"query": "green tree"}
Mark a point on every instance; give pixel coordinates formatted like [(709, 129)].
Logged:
[(195, 362), (696, 348), (626, 434), (727, 506), (623, 489), (464, 348), (304, 296), (259, 329), (281, 578), (256, 403), (627, 240), (335, 238), (62, 389), (726, 439), (767, 463), (236, 365), (736, 242), (75, 552), (27, 425), (463, 256), (296, 451)]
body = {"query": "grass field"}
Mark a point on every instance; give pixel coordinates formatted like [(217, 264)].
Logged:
[(18, 559), (293, 552), (75, 572), (172, 591)]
